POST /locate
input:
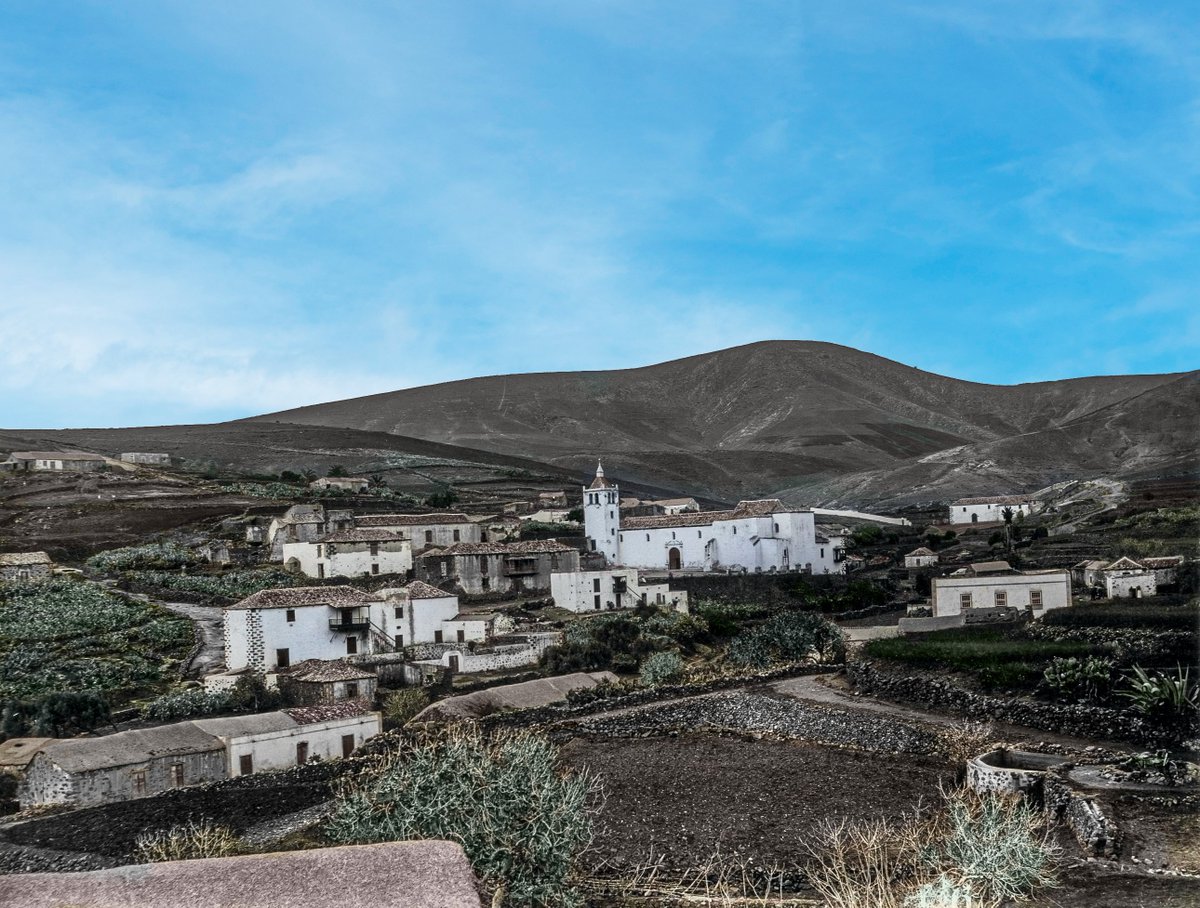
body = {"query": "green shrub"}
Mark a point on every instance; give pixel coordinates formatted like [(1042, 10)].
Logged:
[(1148, 616), (402, 705), (228, 585), (789, 637), (1088, 679), (520, 819), (185, 705), (661, 668), (158, 555), (1162, 696)]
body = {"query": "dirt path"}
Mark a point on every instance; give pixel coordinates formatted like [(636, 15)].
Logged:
[(210, 620)]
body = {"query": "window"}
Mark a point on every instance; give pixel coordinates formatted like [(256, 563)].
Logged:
[(1035, 598), (176, 775), (462, 636), (444, 568), (1001, 598), (291, 615), (399, 641), (301, 753), (320, 551), (596, 585), (282, 658), (776, 528), (437, 636), (139, 783), (735, 531), (822, 553), (321, 571), (672, 534), (351, 645), (374, 549), (351, 690), (647, 537), (457, 535), (483, 567), (245, 764), (374, 568), (399, 613), (429, 535), (964, 600), (699, 534)]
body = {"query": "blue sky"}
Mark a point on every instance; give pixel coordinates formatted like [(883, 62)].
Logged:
[(210, 210)]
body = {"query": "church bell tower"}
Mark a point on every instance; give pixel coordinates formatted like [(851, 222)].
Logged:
[(602, 516)]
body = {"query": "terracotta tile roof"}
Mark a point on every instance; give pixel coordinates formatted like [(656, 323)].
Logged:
[(347, 709), (128, 748), (419, 589), (326, 670), (530, 547), (20, 558), (920, 553), (290, 597), (409, 520), (1165, 561), (990, 567), (372, 535), (996, 499), (672, 502), (1124, 563), (666, 521)]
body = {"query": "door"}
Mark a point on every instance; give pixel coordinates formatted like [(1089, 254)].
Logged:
[(452, 663), (351, 645), (347, 745), (674, 559), (301, 753)]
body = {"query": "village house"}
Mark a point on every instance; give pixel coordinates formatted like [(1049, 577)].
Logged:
[(274, 628), (552, 499), (488, 567), (1089, 573), (1166, 568), (673, 506), (991, 509), (617, 588), (63, 461), (341, 483), (146, 458), (758, 536), (419, 612), (314, 681), (25, 566), (996, 585), (1127, 579), (133, 764), (305, 523), (424, 530), (547, 515), (350, 553), (920, 558)]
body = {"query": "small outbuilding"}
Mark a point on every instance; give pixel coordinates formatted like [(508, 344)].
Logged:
[(25, 566)]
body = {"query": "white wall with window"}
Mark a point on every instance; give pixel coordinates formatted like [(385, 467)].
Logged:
[(1040, 591)]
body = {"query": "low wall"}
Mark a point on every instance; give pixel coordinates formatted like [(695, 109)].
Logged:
[(1096, 831), (925, 625), (1065, 718)]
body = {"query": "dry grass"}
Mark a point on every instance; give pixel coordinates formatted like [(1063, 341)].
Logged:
[(187, 842), (717, 883), (965, 740)]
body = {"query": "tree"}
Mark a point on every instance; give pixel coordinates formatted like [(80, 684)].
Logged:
[(337, 470), (442, 498), (1007, 514)]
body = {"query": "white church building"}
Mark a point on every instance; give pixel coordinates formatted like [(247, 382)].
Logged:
[(756, 536)]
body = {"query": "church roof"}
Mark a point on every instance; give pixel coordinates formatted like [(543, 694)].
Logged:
[(600, 482), (763, 507)]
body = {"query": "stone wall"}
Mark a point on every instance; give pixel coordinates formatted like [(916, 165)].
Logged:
[(1096, 831), (1065, 718)]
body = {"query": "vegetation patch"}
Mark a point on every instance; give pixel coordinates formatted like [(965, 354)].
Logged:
[(230, 585)]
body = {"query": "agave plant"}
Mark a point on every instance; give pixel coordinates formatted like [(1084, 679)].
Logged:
[(1162, 695)]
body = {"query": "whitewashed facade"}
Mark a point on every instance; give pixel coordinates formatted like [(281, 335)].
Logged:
[(291, 737), (1129, 579), (920, 558), (424, 530), (756, 536), (418, 613), (990, 510), (350, 553), (617, 588), (996, 585)]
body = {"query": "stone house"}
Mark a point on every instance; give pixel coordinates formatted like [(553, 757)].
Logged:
[(996, 585), (131, 764), (1089, 573), (488, 567), (552, 499), (305, 523), (424, 530), (673, 506), (1165, 568), (61, 461), (316, 681), (141, 762), (350, 553), (614, 588), (25, 566), (341, 483), (991, 509), (1129, 579), (920, 558)]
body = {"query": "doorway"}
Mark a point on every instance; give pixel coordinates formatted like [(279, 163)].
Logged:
[(674, 559)]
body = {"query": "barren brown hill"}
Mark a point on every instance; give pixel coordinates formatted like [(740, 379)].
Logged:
[(815, 421)]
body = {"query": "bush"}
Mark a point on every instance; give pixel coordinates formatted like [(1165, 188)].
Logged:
[(185, 705), (400, 706), (158, 555), (661, 668), (190, 841), (1156, 617), (1162, 696), (789, 637), (521, 821), (1088, 679)]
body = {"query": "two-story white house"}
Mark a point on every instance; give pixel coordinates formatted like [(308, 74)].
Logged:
[(350, 553), (424, 531), (616, 588), (758, 536)]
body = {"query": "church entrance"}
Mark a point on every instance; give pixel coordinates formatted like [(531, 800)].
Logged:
[(674, 560)]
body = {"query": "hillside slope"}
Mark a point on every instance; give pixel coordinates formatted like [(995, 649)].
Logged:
[(815, 421)]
